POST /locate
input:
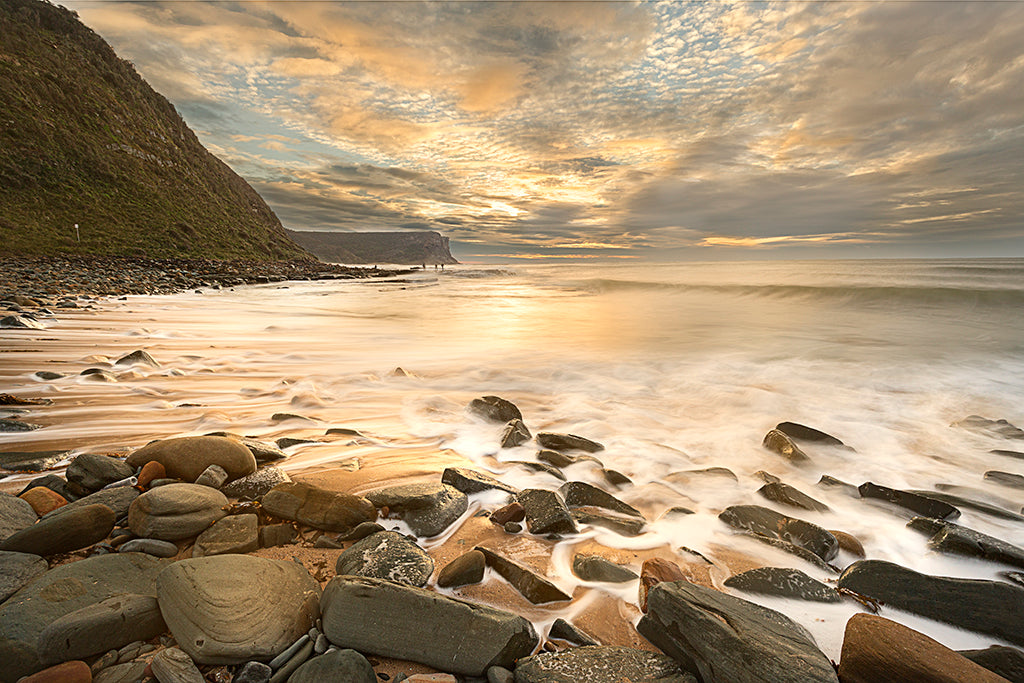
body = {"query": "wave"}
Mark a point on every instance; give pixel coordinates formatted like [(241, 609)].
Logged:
[(478, 273)]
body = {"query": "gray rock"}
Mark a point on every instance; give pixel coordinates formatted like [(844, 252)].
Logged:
[(175, 666), (783, 582), (79, 528), (362, 531), (229, 609), (256, 485), (582, 494), (533, 586), (778, 442), (176, 511), (515, 434), (150, 546), (719, 637), (499, 674), (185, 458), (567, 442), (277, 534), (293, 663), (466, 569), (626, 525), (213, 476), (563, 630), (253, 672), (471, 481), (787, 495), (597, 568), (495, 409), (137, 357), (30, 461), (990, 607), (129, 672), (93, 471), (546, 512), (707, 474), (107, 625), (17, 570), (428, 509), (767, 522), (289, 652), (1006, 661), (318, 508), (263, 452), (372, 616), (915, 503), (337, 665), (556, 458), (387, 555), (234, 534), (15, 515), (801, 432), (20, 321), (48, 375), (958, 540), (8, 425), (118, 499), (599, 664)]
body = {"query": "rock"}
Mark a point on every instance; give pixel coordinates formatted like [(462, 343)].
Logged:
[(98, 375), (534, 587), (515, 434), (766, 522), (877, 649), (65, 589), (129, 672), (15, 515), (79, 528), (185, 458), (539, 467), (318, 508), (288, 442), (803, 433), (600, 664), (582, 494), (722, 638), (1010, 454), (213, 476), (963, 501), (990, 607), (783, 582), (495, 409), (228, 609), (277, 534), (286, 669), (556, 458), (597, 568), (499, 674), (176, 511), (150, 472), (546, 512), (465, 569), (30, 461), (150, 546), (849, 543), (107, 625), (17, 570), (372, 617), (656, 570), (996, 428), (707, 474), (263, 452), (387, 555), (615, 478), (778, 442), (118, 499), (1008, 662), (471, 481), (361, 531), (67, 672), (20, 321), (253, 672), (563, 630), (625, 525), (675, 512), (513, 512), (428, 509), (43, 500), (567, 442), (829, 482), (234, 534), (93, 471), (47, 375), (256, 485), (337, 665), (175, 666), (787, 495), (138, 357), (512, 527), (953, 538), (1005, 479), (919, 505)]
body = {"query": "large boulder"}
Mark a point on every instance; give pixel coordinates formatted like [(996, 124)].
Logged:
[(428, 509), (722, 639), (546, 512), (229, 609), (599, 664), (79, 528), (176, 511), (387, 555), (767, 522), (186, 457), (379, 617), (318, 508), (108, 625)]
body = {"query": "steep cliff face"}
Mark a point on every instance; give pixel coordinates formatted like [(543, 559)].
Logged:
[(84, 139), (422, 248)]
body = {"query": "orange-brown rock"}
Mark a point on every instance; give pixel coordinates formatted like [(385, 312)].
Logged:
[(68, 672), (653, 572), (151, 471), (849, 543), (43, 500)]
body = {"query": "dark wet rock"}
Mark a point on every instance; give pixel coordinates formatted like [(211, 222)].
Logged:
[(675, 512), (150, 546), (185, 458), (848, 542), (767, 522), (656, 570), (137, 357), (917, 504), (829, 482), (288, 442), (107, 625), (600, 664), (253, 672), (567, 442), (778, 442), (801, 432), (15, 515), (556, 459), (1009, 454), (706, 474), (512, 527), (318, 508), (273, 535), (387, 555), (963, 501), (256, 485), (533, 586), (582, 494), (877, 649), (787, 495), (783, 582), (118, 499), (428, 509), (515, 434), (465, 569), (229, 609), (990, 607), (803, 553), (997, 428), (615, 478), (75, 671), (9, 425), (213, 476), (372, 616), (172, 665), (263, 452), (563, 630), (1008, 662), (93, 471), (624, 525), (234, 534), (362, 531), (176, 511), (471, 481), (20, 322), (48, 375), (513, 512), (285, 417), (79, 528), (539, 467), (959, 540), (17, 570), (767, 477), (98, 375), (495, 409), (597, 568), (31, 461), (546, 512), (1005, 479), (719, 637), (337, 665)]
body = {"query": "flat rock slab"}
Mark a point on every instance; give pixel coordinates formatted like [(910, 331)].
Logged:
[(428, 509), (719, 637), (787, 495), (546, 512), (79, 528), (582, 494), (16, 570), (599, 664), (108, 625), (229, 609), (387, 555), (176, 511), (990, 607), (318, 508), (915, 503), (1008, 662), (234, 534), (118, 499), (185, 458), (533, 586), (783, 582), (877, 649), (952, 538), (568, 442), (470, 481), (767, 522), (93, 471), (256, 485), (388, 619), (15, 515)]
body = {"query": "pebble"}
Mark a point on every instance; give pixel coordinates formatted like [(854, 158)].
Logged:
[(174, 666), (150, 546), (253, 672), (213, 476)]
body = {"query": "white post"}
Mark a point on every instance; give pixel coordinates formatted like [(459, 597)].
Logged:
[(78, 237)]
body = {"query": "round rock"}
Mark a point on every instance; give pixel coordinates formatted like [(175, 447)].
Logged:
[(387, 555), (175, 511), (187, 457)]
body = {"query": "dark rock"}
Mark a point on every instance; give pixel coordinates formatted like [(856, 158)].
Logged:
[(15, 515), (31, 461), (1008, 662), (515, 434), (803, 433), (987, 427), (118, 499), (428, 509), (582, 494), (138, 357), (1010, 454), (372, 617), (17, 570), (98, 375), (656, 570), (92, 471), (963, 501), (288, 442), (567, 442), (465, 569), (546, 512), (263, 452), (1005, 479), (616, 478), (828, 482), (762, 520), (989, 607), (234, 534), (172, 665), (362, 531), (556, 459), (539, 467), (534, 587), (176, 511), (767, 477), (676, 511), (213, 476), (513, 512), (958, 540), (277, 534), (150, 546), (253, 672), (782, 582), (849, 542), (256, 485), (722, 638), (79, 528), (563, 630), (600, 664), (787, 495), (597, 568), (318, 508), (229, 609), (107, 625), (802, 553), (625, 525), (387, 555), (337, 665), (8, 425), (919, 505), (185, 458), (778, 442), (495, 409), (284, 417), (512, 527), (48, 375), (471, 481)]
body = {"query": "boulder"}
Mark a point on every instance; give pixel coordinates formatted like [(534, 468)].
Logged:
[(990, 607), (471, 481), (336, 665), (877, 649), (952, 538), (428, 509), (917, 504), (75, 671), (787, 495), (719, 637), (107, 625), (783, 582), (15, 515), (382, 618), (567, 442), (495, 409), (256, 485), (387, 555), (1008, 662), (79, 528), (176, 511), (533, 587), (582, 494), (563, 630), (185, 458), (597, 568), (767, 522), (17, 570), (600, 664), (234, 534), (778, 442), (515, 434), (118, 499), (801, 432), (465, 569), (546, 512), (318, 508), (229, 609), (93, 471), (513, 512)]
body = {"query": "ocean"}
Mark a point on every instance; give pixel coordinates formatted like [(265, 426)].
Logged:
[(672, 367)]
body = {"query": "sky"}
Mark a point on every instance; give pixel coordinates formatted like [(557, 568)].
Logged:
[(609, 130)]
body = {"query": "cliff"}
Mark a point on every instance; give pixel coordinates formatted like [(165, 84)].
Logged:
[(84, 139), (413, 248)]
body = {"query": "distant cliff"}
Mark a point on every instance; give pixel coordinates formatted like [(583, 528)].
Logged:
[(83, 139), (417, 248)]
